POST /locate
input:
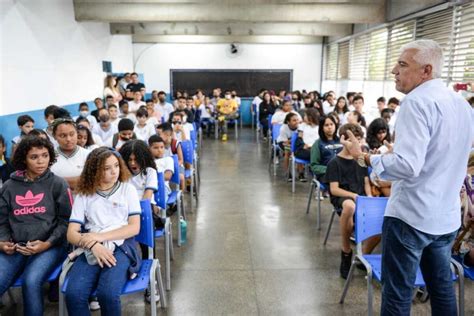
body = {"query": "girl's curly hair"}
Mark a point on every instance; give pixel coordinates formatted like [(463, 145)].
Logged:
[(142, 153), (26, 144), (93, 171)]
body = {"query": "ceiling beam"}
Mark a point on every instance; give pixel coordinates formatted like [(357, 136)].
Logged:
[(240, 29), (205, 39), (241, 2), (179, 12)]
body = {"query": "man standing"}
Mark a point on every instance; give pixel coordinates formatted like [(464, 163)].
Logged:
[(434, 134)]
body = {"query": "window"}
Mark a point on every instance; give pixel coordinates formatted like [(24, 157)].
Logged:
[(331, 62), (377, 53), (343, 60), (462, 58), (398, 35), (359, 54)]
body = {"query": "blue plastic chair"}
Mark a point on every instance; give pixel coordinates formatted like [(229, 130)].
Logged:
[(295, 160), (176, 195), (196, 148), (166, 231), (318, 187), (150, 270), (188, 155), (468, 271), (274, 148), (369, 216)]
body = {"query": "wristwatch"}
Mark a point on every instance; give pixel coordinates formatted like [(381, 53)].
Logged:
[(364, 160)]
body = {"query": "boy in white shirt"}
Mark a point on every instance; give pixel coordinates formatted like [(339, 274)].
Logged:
[(164, 164), (84, 112), (114, 115), (207, 110), (142, 129), (136, 103), (280, 115), (124, 109)]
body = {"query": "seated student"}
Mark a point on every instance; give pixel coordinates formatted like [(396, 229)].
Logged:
[(154, 117), (136, 103), (355, 117), (280, 115), (85, 123), (123, 105), (34, 211), (378, 133), (265, 109), (358, 105), (329, 104), (172, 147), (381, 104), (84, 112), (326, 147), (71, 158), (104, 130), (85, 139), (290, 126), (114, 115), (307, 135), (125, 133), (346, 181), (207, 111), (181, 130), (142, 129), (99, 104), (39, 133), (387, 114), (226, 110), (190, 106), (464, 246), (25, 124), (163, 163), (109, 100), (108, 208), (6, 167), (181, 107), (49, 118), (394, 105), (341, 109)]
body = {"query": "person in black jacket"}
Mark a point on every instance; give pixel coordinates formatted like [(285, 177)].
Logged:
[(35, 206), (6, 167), (265, 109)]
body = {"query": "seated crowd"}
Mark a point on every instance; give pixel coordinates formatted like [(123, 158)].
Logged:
[(79, 181)]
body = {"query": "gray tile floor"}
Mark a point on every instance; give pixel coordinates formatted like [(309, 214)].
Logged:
[(251, 248)]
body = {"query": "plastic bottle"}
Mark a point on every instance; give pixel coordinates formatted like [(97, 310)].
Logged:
[(184, 228)]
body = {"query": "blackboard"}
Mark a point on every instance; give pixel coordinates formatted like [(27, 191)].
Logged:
[(245, 82)]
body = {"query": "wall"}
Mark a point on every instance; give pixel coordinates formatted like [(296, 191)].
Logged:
[(49, 58), (156, 60)]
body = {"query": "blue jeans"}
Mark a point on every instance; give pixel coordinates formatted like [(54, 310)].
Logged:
[(35, 269), (403, 250), (85, 278)]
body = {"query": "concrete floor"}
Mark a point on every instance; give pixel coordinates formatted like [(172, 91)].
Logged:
[(252, 250)]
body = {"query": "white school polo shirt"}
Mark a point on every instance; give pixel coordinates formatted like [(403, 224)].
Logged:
[(100, 211), (70, 166), (162, 165), (310, 133), (142, 181), (144, 132)]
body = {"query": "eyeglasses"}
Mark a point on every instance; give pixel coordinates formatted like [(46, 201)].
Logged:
[(176, 122)]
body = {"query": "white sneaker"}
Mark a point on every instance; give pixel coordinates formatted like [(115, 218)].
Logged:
[(320, 197), (148, 296), (94, 305)]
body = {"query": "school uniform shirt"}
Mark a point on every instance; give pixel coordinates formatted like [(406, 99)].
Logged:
[(187, 128), (104, 135), (285, 133), (144, 132), (310, 133), (279, 117), (154, 120), (256, 102), (91, 118), (103, 210), (206, 111), (134, 106), (162, 165), (97, 140), (17, 139), (145, 180), (70, 166), (165, 109), (51, 138), (328, 107)]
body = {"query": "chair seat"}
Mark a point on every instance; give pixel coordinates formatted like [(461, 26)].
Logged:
[(172, 198), (159, 232), (468, 271), (52, 277), (376, 263), (302, 161), (139, 284), (188, 173)]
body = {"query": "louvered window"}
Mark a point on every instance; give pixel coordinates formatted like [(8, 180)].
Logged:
[(398, 35), (358, 57), (377, 54), (331, 62), (462, 57), (343, 60)]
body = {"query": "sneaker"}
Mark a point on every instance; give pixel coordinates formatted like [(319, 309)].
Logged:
[(320, 197), (302, 178), (290, 177), (224, 137), (148, 296), (94, 304), (346, 261), (264, 139)]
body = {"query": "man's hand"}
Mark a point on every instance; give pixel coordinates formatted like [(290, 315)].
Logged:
[(352, 145), (7, 247)]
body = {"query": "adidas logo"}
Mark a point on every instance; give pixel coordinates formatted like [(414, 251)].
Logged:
[(29, 199), (29, 210)]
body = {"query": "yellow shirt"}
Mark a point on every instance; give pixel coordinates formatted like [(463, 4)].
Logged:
[(225, 106)]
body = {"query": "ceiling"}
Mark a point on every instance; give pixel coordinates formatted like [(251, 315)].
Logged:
[(227, 21)]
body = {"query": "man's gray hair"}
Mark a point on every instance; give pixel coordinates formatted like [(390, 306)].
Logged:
[(428, 53)]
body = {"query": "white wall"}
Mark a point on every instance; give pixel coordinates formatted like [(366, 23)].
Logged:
[(49, 58), (156, 60)]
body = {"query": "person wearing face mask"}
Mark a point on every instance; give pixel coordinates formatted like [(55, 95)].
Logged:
[(189, 116), (84, 112), (226, 110), (236, 98), (125, 133), (105, 129), (163, 107)]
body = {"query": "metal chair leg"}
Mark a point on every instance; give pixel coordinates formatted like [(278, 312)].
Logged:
[(293, 174), (167, 256), (348, 280), (157, 278), (370, 295), (460, 272), (329, 227), (310, 197), (318, 194), (179, 206), (170, 236)]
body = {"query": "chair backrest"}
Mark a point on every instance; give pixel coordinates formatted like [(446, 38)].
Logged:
[(194, 138), (160, 197), (146, 235), (369, 215), (269, 119), (188, 151), (275, 131), (175, 178), (294, 136)]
